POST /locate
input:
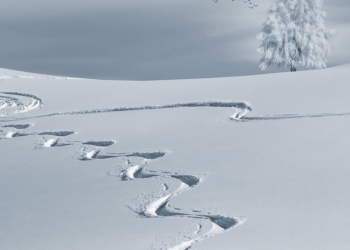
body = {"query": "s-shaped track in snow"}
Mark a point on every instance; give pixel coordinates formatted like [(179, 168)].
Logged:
[(158, 207), (15, 103)]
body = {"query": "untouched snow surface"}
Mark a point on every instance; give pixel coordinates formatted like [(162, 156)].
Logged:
[(256, 162)]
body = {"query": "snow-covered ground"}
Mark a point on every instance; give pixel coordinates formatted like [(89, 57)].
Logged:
[(258, 162)]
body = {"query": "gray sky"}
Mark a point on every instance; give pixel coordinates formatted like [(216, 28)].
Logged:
[(143, 40)]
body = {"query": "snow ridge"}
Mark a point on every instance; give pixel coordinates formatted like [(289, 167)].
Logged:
[(7, 77)]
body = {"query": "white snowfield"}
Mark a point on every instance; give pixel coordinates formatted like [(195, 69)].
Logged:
[(258, 162)]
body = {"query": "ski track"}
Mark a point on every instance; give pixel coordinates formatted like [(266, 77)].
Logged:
[(287, 116), (240, 108), (12, 103), (161, 208), (15, 130), (15, 133), (17, 126), (158, 207), (93, 150), (99, 143)]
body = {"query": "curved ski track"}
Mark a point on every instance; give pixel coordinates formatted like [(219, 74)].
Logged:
[(14, 103), (240, 108), (93, 150), (159, 207)]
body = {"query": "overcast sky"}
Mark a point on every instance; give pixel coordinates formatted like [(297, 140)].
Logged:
[(144, 39)]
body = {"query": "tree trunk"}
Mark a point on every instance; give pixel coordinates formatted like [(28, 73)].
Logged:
[(293, 69)]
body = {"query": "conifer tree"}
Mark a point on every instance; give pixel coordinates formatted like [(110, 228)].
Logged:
[(294, 35)]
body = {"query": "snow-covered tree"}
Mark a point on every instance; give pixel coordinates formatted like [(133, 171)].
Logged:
[(294, 35)]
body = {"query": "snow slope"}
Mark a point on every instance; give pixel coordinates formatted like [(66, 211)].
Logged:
[(257, 162)]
